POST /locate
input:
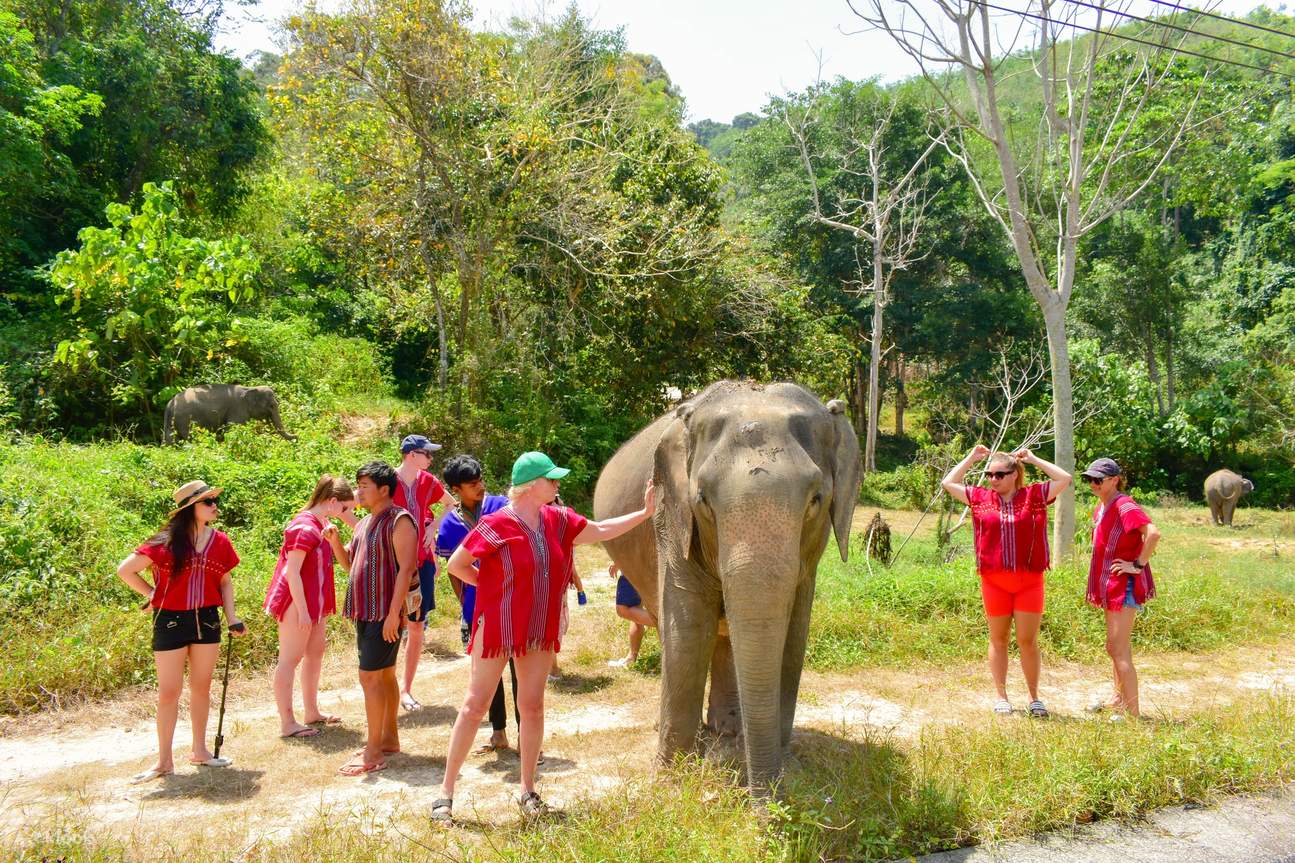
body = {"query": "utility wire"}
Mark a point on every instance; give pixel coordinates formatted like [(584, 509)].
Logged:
[(1122, 37), (1252, 25), (1182, 29)]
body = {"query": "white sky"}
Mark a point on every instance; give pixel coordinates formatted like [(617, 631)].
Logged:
[(726, 56)]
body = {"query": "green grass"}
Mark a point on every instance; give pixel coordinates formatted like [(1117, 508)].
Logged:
[(70, 513), (872, 798), (924, 611)]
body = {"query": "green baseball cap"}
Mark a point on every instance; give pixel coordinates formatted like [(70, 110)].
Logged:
[(533, 465)]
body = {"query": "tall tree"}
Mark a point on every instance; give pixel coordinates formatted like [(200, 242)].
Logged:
[(862, 151), (1050, 189)]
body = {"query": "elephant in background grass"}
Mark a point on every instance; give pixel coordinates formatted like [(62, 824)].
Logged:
[(1223, 489), (750, 481), (214, 406)]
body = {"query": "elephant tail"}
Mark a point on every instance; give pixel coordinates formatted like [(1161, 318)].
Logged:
[(167, 419)]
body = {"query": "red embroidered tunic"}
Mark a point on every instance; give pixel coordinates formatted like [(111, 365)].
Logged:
[(1011, 536), (198, 586), (1117, 536), (304, 533), (417, 497), (523, 578)]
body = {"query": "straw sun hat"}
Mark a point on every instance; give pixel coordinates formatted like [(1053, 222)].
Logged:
[(192, 492)]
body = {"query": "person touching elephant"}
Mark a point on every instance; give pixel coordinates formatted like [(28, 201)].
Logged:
[(1223, 489), (1010, 524), (519, 559), (753, 479), (214, 406)]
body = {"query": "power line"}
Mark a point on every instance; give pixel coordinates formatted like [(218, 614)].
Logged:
[(1252, 25), (1182, 29), (1124, 38)]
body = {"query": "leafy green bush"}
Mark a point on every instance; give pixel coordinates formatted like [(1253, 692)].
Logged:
[(69, 514)]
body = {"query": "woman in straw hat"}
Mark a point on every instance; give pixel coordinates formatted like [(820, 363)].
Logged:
[(519, 560), (190, 562)]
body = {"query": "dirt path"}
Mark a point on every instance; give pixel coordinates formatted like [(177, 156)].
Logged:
[(600, 731)]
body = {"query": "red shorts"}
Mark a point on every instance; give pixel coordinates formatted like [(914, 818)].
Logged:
[(1006, 592)]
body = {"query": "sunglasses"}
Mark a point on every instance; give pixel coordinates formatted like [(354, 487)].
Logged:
[(211, 501), (999, 474), (1092, 481)]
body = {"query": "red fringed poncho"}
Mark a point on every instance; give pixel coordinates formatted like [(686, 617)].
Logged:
[(523, 578)]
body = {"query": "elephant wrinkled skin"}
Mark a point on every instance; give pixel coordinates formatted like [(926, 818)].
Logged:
[(751, 479), (214, 406), (1223, 489)]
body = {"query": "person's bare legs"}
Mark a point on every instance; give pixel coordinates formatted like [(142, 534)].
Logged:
[(1119, 647), (531, 672), (170, 683), (293, 641), (413, 651), (312, 665), (202, 662), (390, 738), (1027, 642), (483, 677), (639, 620), (375, 713), (1000, 633)]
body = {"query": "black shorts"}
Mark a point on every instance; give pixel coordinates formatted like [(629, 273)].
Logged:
[(376, 653), (173, 630)]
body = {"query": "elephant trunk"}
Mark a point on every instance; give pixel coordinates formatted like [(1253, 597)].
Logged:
[(759, 591)]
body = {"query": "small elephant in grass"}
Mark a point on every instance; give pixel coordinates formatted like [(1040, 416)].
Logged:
[(1223, 489), (751, 479), (214, 406)]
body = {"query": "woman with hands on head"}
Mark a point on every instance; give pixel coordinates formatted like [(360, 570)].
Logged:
[(301, 596), (1009, 520), (519, 560), (190, 562)]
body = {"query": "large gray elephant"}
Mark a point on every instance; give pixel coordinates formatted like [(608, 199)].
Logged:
[(214, 406), (1223, 489), (751, 479)]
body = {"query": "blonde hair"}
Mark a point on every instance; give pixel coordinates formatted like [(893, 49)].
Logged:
[(516, 491), (1004, 459), (328, 488)]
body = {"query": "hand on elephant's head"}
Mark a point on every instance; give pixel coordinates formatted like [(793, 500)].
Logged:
[(649, 498)]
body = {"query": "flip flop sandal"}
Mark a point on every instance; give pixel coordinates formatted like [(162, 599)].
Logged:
[(1003, 708), (1038, 711), (148, 776), (410, 703), (301, 733), (214, 761), (350, 768), (443, 811), (532, 806)]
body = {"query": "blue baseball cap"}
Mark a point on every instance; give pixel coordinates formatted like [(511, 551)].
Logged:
[(418, 443)]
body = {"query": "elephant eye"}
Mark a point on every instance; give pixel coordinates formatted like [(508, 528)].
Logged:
[(817, 498)]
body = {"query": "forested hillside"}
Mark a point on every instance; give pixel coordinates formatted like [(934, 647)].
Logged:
[(527, 247)]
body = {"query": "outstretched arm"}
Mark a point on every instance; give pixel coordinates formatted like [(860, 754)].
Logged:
[(610, 528), (1060, 480), (952, 482)]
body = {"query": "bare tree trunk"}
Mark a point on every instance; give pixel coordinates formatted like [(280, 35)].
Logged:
[(860, 395), (1063, 422), (1169, 369), (901, 396), (1153, 372), (874, 363), (443, 368)]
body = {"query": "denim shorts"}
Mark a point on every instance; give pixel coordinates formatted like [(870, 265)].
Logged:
[(1128, 596)]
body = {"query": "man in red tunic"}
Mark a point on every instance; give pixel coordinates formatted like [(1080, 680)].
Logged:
[(417, 492)]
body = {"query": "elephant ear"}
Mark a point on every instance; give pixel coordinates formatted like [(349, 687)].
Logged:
[(670, 475), (845, 476)]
